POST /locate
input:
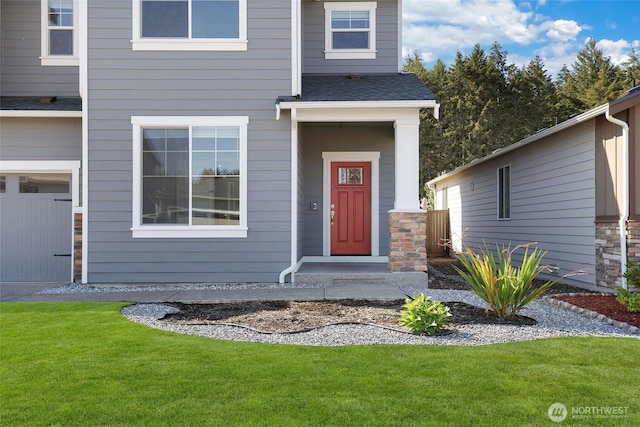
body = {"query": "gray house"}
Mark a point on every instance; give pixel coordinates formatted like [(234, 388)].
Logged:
[(572, 188), (206, 141)]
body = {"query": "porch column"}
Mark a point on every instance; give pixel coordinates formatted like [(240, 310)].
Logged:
[(407, 222), (407, 164)]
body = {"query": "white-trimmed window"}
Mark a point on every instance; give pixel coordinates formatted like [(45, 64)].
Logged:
[(59, 32), (504, 192), (190, 25), (189, 176), (350, 30)]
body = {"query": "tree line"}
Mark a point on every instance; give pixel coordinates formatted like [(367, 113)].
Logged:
[(486, 104)]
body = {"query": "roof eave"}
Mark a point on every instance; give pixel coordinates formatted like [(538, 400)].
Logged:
[(288, 105), (540, 135)]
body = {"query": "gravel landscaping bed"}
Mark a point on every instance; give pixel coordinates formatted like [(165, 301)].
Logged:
[(553, 321)]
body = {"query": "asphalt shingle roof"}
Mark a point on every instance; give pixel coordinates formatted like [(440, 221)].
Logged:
[(361, 87), (47, 103)]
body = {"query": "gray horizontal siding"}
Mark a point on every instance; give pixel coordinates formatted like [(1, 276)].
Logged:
[(125, 83), (31, 138), (386, 61), (20, 71), (552, 201)]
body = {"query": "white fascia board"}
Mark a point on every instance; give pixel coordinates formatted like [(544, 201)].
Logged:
[(356, 114), (312, 105), (39, 113), (540, 135)]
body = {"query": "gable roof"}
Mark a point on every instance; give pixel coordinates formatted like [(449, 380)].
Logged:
[(613, 107)]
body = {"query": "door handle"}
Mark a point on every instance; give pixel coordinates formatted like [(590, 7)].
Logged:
[(333, 213)]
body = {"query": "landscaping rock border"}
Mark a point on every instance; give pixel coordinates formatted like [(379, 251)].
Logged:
[(589, 313)]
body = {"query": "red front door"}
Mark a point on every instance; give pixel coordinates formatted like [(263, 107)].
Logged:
[(350, 208)]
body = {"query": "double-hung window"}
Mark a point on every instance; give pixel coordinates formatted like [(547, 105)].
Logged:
[(350, 30), (59, 45), (189, 25), (189, 176), (504, 192)]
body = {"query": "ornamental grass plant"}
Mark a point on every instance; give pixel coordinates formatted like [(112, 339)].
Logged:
[(504, 287)]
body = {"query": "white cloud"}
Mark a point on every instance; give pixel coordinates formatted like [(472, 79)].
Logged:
[(441, 27), (562, 30), (618, 50)]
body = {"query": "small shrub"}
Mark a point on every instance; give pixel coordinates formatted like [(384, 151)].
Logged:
[(630, 300), (632, 274), (424, 316), (505, 288)]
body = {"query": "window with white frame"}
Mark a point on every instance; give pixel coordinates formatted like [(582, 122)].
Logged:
[(59, 32), (504, 192), (350, 30), (189, 25), (189, 176)]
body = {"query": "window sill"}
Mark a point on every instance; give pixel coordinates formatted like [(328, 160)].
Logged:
[(60, 61), (194, 45), (185, 232), (350, 54)]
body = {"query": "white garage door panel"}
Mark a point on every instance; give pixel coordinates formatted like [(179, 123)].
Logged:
[(34, 229)]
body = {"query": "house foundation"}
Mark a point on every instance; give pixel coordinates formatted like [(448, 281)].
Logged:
[(407, 243)]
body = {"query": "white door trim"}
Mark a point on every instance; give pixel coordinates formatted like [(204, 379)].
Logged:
[(329, 157)]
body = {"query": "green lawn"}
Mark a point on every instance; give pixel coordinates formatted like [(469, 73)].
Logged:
[(83, 364)]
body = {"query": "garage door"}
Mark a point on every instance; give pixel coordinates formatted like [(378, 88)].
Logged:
[(35, 227)]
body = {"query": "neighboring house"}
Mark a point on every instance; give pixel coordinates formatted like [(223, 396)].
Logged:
[(568, 188), (206, 141)]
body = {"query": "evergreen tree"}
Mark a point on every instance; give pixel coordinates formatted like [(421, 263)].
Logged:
[(631, 69), (593, 79)]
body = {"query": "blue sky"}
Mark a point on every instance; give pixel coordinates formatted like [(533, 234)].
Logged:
[(555, 30)]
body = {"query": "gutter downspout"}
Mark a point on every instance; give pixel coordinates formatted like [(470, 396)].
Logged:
[(624, 217), (294, 199)]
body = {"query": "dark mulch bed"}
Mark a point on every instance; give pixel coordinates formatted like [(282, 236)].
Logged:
[(289, 316), (603, 304)]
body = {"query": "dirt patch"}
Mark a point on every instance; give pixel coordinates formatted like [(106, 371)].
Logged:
[(292, 316), (603, 304)]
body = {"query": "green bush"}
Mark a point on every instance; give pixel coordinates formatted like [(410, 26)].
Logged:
[(424, 316), (631, 300), (632, 274), (505, 288)]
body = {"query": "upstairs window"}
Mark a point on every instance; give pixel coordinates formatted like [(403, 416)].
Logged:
[(504, 192), (189, 24), (350, 30), (59, 32)]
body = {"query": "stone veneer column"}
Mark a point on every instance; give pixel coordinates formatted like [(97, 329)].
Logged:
[(608, 267), (633, 241), (77, 246), (407, 243)]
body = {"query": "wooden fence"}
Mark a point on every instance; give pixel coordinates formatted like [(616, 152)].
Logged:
[(438, 233)]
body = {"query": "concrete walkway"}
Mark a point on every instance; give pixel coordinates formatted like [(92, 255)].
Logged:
[(355, 290)]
